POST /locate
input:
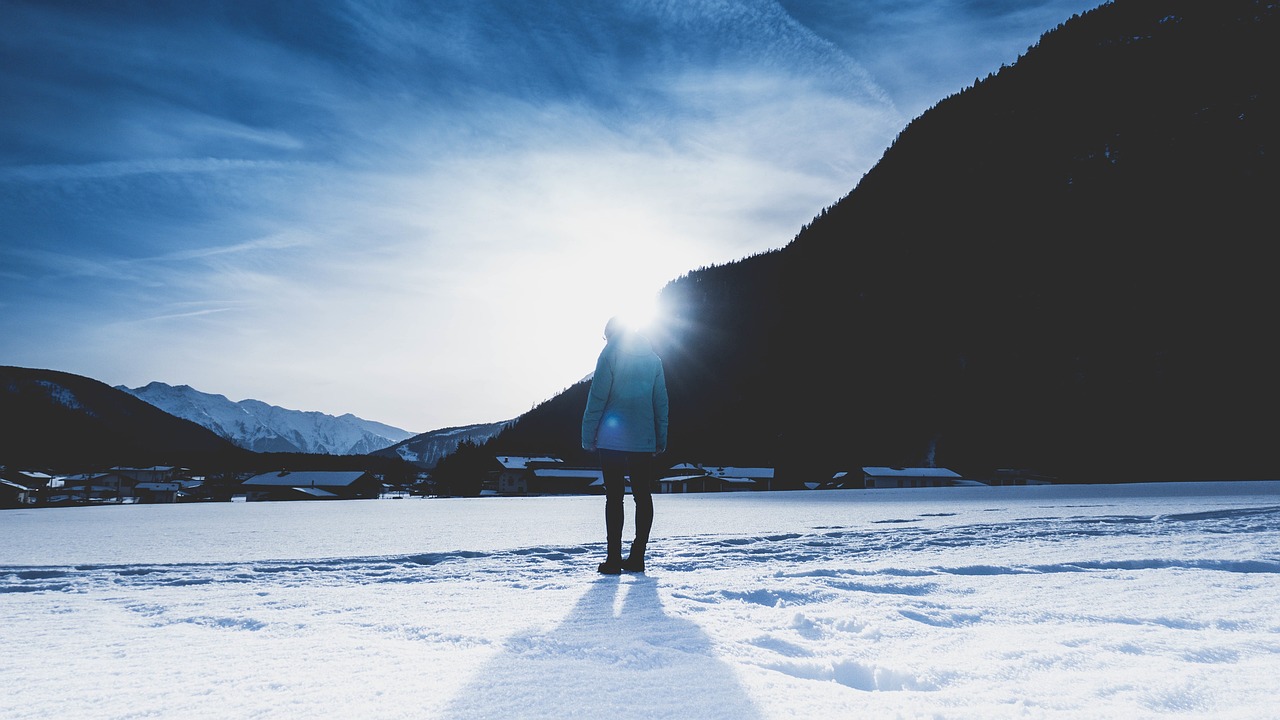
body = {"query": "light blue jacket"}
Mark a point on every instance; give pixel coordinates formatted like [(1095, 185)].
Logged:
[(627, 406)]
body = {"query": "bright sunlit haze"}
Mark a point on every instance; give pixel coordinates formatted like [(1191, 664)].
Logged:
[(425, 214)]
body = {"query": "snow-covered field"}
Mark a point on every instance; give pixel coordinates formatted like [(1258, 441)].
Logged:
[(1126, 601)]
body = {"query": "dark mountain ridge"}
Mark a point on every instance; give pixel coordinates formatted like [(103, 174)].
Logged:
[(61, 421), (1065, 267), (426, 449)]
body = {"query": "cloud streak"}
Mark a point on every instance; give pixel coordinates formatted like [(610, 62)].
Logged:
[(125, 168)]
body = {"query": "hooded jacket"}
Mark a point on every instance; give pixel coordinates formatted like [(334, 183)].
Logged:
[(627, 405)]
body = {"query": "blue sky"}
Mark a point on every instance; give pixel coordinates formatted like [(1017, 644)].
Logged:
[(424, 213)]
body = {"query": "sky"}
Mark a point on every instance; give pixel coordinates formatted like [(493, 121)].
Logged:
[(1152, 601), (424, 213)]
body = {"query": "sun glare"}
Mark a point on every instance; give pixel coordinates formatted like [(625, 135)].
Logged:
[(639, 313)]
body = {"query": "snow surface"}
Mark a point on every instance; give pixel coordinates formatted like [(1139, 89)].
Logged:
[(1125, 601)]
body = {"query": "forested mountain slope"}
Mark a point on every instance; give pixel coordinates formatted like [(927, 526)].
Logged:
[(1065, 267)]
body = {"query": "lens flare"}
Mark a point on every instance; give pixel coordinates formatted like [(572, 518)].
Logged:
[(639, 314)]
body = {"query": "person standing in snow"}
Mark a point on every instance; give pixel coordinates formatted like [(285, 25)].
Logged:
[(626, 420)]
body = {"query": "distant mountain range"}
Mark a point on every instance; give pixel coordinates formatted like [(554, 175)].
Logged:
[(255, 425), (58, 420)]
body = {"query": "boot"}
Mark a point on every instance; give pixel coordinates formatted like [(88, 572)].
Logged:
[(635, 561), (612, 564)]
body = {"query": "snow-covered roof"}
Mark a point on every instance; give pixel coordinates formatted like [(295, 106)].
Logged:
[(683, 478), (518, 462), (307, 478), (910, 472), (87, 477), (24, 488), (315, 492), (740, 472), (704, 476), (568, 473)]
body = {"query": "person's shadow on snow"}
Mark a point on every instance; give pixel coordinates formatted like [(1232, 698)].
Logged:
[(635, 663)]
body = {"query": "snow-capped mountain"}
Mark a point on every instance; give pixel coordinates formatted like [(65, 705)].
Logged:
[(255, 425)]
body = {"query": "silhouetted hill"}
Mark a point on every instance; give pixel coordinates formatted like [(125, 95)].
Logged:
[(61, 421), (1065, 267), (426, 449)]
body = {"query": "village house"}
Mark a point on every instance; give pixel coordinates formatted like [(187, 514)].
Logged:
[(544, 475), (312, 485), (14, 495), (891, 477), (700, 483), (563, 480), (157, 492), (33, 479), (691, 478), (681, 478), (92, 488), (696, 482), (155, 473), (189, 486), (516, 471), (742, 478), (35, 487), (680, 483), (685, 468), (843, 480)]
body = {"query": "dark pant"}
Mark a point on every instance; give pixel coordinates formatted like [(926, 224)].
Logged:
[(618, 464)]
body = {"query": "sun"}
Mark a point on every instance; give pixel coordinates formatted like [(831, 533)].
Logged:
[(639, 313)]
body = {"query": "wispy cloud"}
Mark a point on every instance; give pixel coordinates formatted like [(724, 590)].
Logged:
[(125, 168), (183, 314)]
